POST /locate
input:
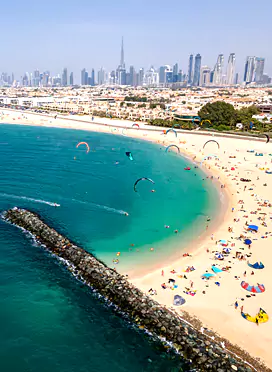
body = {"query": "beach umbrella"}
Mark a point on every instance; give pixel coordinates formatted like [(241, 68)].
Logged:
[(253, 227), (216, 269), (227, 250), (219, 256), (207, 275), (259, 288), (248, 241), (178, 300)]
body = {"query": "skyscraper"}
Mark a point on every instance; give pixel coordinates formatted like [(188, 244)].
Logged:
[(190, 69), (197, 70), (64, 77), (83, 82), (175, 73), (141, 76), (36, 80), (231, 69), (86, 80), (132, 76), (162, 74), (122, 61), (93, 78), (259, 69), (205, 76), (249, 70), (101, 76), (218, 70), (71, 80)]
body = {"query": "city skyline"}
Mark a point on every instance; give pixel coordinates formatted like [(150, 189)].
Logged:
[(87, 34)]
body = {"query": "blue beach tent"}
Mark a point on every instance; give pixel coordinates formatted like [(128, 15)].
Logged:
[(216, 269), (253, 227), (257, 265), (248, 241), (207, 275), (178, 300)]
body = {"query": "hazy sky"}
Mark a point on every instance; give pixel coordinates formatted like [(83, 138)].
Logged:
[(51, 35)]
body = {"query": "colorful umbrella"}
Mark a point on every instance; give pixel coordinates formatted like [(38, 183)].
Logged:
[(227, 250), (219, 256), (259, 288), (253, 227)]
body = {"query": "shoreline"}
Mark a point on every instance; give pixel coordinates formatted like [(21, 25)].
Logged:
[(215, 310)]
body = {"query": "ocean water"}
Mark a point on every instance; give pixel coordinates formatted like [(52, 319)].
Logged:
[(49, 321)]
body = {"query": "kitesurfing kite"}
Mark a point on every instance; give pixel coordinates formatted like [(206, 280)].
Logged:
[(142, 179), (135, 125), (84, 143), (129, 155), (171, 130), (168, 147), (211, 141)]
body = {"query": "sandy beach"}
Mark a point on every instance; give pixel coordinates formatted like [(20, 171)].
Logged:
[(245, 203)]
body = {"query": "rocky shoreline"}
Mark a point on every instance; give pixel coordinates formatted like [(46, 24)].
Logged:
[(199, 350)]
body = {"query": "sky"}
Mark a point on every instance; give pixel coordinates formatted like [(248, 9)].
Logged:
[(51, 35)]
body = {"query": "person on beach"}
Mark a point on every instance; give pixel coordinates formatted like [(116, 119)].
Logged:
[(245, 274), (162, 273), (236, 305), (242, 309)]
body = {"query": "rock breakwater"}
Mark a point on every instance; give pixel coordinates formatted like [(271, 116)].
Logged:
[(193, 346)]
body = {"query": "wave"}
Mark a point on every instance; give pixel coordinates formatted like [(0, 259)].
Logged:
[(29, 199), (109, 209)]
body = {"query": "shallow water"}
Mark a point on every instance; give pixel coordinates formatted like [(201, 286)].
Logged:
[(48, 321)]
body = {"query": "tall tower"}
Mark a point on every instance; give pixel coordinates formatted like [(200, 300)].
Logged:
[(122, 61), (231, 69), (197, 70), (218, 70), (249, 70), (190, 69), (259, 69)]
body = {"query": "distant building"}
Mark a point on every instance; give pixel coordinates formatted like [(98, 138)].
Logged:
[(101, 76), (162, 74), (190, 69), (132, 77), (236, 80), (266, 79), (64, 77), (71, 80), (93, 78), (249, 70), (231, 69), (175, 73), (83, 77), (141, 77), (151, 77), (36, 78), (218, 70), (196, 78), (205, 76), (259, 69)]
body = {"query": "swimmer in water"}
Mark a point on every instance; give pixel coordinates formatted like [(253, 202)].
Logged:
[(126, 213), (167, 226), (176, 231), (153, 190)]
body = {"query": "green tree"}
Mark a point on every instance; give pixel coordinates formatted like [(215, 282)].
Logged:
[(219, 113)]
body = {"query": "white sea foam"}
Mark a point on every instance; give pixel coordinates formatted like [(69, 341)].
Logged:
[(109, 209), (29, 199)]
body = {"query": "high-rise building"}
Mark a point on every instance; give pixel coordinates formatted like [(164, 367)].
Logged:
[(162, 74), (151, 77), (231, 69), (259, 69), (190, 69), (218, 70), (122, 61), (197, 70), (36, 79), (112, 78), (266, 79), (64, 77), (71, 80), (249, 70), (83, 75), (101, 76), (175, 73), (236, 80), (141, 77), (86, 78), (93, 78), (168, 75), (132, 76), (205, 76)]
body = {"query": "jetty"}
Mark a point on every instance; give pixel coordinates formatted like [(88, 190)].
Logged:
[(202, 353)]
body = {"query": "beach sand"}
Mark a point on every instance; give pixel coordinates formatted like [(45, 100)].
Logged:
[(215, 309)]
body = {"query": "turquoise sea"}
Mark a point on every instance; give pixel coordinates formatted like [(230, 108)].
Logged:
[(49, 321)]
